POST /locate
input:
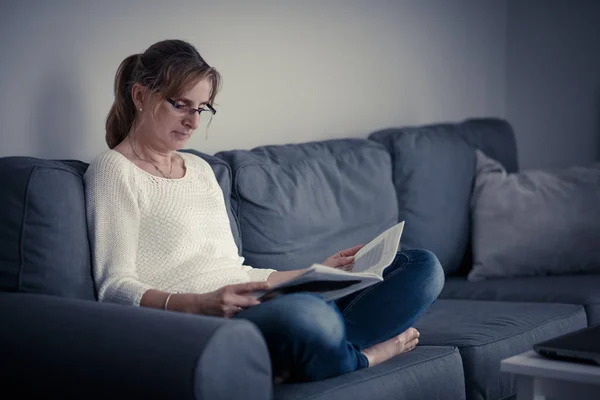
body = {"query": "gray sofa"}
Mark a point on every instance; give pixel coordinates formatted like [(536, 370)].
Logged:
[(289, 206)]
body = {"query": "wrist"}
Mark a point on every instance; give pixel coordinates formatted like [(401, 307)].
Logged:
[(182, 302), (167, 300)]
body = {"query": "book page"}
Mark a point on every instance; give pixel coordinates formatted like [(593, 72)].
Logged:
[(379, 253)]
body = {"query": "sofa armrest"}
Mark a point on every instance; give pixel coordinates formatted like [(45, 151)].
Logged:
[(59, 347)]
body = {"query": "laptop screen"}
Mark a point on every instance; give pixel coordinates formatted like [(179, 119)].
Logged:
[(584, 340)]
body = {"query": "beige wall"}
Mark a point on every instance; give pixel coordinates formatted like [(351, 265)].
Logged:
[(293, 71)]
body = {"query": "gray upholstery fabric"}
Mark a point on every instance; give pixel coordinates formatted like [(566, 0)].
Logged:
[(223, 174), (299, 204), (433, 174), (61, 348), (487, 332), (534, 223), (43, 229), (496, 138), (428, 372), (234, 364), (493, 136), (577, 289)]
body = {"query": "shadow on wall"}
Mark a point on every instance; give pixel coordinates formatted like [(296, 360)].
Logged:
[(59, 117)]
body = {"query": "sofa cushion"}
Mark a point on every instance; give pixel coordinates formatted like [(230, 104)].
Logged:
[(43, 232), (433, 174), (223, 175), (486, 332), (299, 204), (570, 289), (409, 376), (535, 222), (434, 169), (493, 136)]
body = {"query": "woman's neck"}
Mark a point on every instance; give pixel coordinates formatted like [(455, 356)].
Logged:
[(145, 151)]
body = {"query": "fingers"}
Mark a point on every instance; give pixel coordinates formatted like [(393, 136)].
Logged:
[(234, 303), (230, 311), (248, 287), (346, 267), (351, 251), (341, 262), (240, 301)]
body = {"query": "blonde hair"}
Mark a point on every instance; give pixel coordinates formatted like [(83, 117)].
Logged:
[(167, 68)]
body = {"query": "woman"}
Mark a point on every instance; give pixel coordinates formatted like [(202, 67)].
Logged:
[(161, 236)]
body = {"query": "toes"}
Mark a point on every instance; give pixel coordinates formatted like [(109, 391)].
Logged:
[(412, 344), (410, 334)]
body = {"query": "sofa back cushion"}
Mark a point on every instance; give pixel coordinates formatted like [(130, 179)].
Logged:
[(43, 235), (434, 170), (297, 204), (495, 137), (223, 174)]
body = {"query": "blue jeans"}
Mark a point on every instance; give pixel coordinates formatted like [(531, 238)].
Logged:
[(312, 339)]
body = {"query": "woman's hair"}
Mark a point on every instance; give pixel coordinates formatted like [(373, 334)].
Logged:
[(167, 68)]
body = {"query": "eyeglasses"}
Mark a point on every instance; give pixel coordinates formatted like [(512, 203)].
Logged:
[(183, 109)]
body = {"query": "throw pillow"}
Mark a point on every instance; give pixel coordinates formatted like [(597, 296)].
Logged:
[(536, 222)]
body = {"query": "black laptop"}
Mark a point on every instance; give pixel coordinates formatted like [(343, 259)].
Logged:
[(580, 346)]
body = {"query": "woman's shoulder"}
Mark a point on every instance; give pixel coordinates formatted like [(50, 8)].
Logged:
[(110, 156), (195, 162), (110, 164)]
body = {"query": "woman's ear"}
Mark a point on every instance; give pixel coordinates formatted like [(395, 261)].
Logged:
[(138, 94)]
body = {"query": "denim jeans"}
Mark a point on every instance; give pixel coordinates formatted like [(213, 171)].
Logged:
[(312, 339)]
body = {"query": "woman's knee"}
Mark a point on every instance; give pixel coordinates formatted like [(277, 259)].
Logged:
[(308, 318), (430, 270)]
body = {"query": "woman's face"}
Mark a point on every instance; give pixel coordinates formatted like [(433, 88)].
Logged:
[(170, 128)]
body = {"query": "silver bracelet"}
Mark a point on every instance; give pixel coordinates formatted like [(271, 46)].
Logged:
[(168, 298)]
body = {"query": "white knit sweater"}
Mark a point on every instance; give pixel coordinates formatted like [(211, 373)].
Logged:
[(149, 232)]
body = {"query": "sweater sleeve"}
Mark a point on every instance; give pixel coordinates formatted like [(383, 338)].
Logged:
[(257, 274), (113, 218)]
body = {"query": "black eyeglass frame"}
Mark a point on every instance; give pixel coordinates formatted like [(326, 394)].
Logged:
[(177, 107)]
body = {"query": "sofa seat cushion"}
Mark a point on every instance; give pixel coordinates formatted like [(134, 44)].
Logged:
[(486, 332), (298, 204), (570, 289), (428, 372)]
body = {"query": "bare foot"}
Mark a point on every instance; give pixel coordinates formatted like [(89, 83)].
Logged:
[(403, 343)]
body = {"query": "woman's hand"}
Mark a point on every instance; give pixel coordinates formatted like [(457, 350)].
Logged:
[(343, 259), (278, 277), (229, 300)]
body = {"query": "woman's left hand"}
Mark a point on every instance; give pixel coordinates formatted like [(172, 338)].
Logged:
[(343, 259)]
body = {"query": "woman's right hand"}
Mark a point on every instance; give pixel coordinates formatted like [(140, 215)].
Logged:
[(229, 300)]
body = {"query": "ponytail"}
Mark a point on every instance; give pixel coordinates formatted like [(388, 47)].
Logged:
[(122, 113)]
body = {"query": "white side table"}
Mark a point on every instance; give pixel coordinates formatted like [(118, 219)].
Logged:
[(540, 378)]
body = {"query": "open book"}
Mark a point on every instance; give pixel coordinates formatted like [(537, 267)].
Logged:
[(331, 283)]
